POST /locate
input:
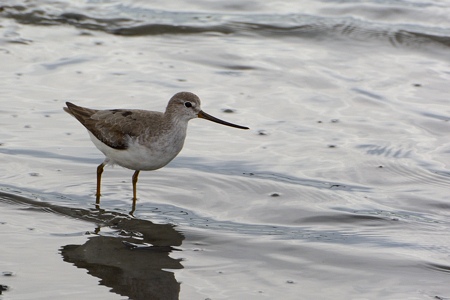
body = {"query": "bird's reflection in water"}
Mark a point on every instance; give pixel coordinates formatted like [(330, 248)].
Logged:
[(137, 274), (133, 261)]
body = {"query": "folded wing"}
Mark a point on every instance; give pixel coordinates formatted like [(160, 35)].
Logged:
[(112, 127)]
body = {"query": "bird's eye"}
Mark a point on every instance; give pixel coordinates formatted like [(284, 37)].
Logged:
[(188, 104)]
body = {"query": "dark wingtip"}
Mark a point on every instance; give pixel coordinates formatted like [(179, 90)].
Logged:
[(69, 106)]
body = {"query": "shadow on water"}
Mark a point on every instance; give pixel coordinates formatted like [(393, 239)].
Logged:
[(132, 260)]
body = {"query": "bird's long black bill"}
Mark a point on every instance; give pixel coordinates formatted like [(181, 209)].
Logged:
[(204, 115)]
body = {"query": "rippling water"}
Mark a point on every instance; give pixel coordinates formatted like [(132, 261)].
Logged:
[(339, 191)]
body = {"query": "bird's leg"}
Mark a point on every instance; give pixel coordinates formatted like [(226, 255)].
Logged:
[(99, 180), (133, 207), (134, 180)]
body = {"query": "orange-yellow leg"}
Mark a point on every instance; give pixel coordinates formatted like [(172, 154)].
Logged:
[(134, 180), (99, 180)]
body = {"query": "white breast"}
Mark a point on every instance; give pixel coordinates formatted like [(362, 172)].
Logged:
[(139, 156)]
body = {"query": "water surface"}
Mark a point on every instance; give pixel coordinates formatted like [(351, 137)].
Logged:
[(340, 190)]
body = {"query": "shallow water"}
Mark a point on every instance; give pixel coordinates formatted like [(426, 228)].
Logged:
[(339, 191)]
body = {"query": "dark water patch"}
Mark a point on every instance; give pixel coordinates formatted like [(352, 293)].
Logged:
[(148, 22), (395, 215), (64, 62), (439, 267), (420, 176), (309, 182), (158, 29), (386, 151), (237, 68), (350, 219), (440, 205), (369, 94), (441, 117), (417, 38), (37, 16)]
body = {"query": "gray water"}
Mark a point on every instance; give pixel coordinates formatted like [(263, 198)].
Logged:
[(340, 190)]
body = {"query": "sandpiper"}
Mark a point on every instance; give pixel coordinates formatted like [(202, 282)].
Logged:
[(141, 140)]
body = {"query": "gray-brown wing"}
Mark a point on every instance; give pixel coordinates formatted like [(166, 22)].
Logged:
[(113, 127)]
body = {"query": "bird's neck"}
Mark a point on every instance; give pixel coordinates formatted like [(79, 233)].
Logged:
[(175, 119)]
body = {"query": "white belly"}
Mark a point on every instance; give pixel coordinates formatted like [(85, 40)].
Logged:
[(141, 157)]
